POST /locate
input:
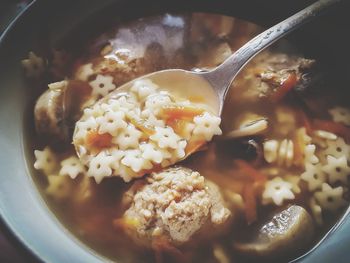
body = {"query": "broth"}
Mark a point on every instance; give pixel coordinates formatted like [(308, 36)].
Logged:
[(201, 42)]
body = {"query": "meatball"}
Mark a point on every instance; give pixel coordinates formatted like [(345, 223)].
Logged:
[(175, 204)]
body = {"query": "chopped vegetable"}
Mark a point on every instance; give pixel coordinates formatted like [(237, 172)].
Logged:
[(181, 112), (305, 122), (94, 139), (285, 87), (141, 125)]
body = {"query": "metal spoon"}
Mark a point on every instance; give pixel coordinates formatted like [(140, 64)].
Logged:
[(213, 85)]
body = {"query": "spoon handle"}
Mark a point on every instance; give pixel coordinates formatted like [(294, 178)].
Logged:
[(222, 76)]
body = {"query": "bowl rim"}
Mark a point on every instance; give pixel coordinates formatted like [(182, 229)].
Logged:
[(36, 252)]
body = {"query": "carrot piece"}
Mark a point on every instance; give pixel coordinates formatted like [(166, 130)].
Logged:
[(177, 125), (249, 203), (181, 112), (333, 127), (250, 171), (305, 122), (94, 139), (285, 87), (193, 146), (140, 124)]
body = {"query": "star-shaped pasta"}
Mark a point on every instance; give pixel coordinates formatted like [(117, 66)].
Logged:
[(102, 85), (128, 138), (316, 211), (340, 114), (337, 169), (117, 156), (151, 119), (314, 176), (33, 65), (84, 72), (46, 161), (165, 137), (83, 127), (155, 102), (59, 187), (276, 191), (309, 153), (330, 198), (134, 160), (71, 167), (337, 148), (112, 123), (207, 125), (100, 166), (143, 88), (152, 152), (94, 111)]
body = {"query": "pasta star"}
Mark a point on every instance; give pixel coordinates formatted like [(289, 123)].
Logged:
[(134, 160), (59, 187), (128, 138), (337, 169), (33, 65), (151, 152), (314, 176), (100, 167), (338, 148), (143, 88), (102, 85), (165, 137), (330, 198), (340, 114), (112, 123), (276, 191), (71, 167), (83, 127), (207, 126), (45, 160)]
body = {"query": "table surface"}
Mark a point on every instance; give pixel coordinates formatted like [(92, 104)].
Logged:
[(11, 251)]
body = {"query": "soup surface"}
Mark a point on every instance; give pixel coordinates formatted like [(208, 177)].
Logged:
[(270, 183)]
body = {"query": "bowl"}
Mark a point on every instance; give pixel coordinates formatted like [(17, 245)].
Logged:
[(44, 23)]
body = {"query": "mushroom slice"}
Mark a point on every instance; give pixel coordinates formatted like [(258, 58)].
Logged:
[(289, 230), (251, 125), (49, 111)]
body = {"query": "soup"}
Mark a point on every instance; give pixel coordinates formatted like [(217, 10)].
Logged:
[(267, 183)]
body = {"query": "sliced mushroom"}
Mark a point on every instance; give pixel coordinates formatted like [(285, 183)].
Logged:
[(49, 111), (286, 232), (249, 124)]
